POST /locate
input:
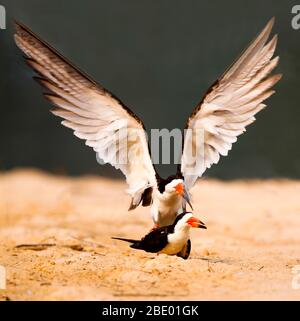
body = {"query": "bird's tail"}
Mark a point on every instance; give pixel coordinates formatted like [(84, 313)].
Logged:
[(126, 240)]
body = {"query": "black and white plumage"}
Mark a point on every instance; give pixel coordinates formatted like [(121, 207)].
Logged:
[(172, 240), (118, 136)]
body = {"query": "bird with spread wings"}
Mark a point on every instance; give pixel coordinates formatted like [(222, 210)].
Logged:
[(118, 136)]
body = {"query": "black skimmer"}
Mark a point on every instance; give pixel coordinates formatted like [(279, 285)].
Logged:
[(172, 240), (118, 136)]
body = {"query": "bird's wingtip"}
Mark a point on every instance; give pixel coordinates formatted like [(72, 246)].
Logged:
[(19, 25), (271, 22)]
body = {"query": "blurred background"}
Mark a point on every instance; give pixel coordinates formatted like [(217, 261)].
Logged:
[(158, 57)]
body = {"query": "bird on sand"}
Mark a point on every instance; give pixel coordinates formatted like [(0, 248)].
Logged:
[(172, 240), (102, 120)]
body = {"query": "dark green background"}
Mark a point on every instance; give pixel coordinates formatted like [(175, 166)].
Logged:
[(159, 57)]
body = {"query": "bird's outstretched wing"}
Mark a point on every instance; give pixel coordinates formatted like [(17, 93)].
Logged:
[(115, 133), (229, 106), (153, 242)]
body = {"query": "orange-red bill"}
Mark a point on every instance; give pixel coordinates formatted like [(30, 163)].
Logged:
[(194, 222), (181, 190)]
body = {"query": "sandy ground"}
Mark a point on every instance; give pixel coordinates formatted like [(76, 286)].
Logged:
[(248, 251)]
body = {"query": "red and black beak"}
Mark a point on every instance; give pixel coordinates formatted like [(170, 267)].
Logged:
[(194, 222), (181, 190)]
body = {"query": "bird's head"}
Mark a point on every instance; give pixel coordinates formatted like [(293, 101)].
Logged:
[(187, 220), (177, 187)]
